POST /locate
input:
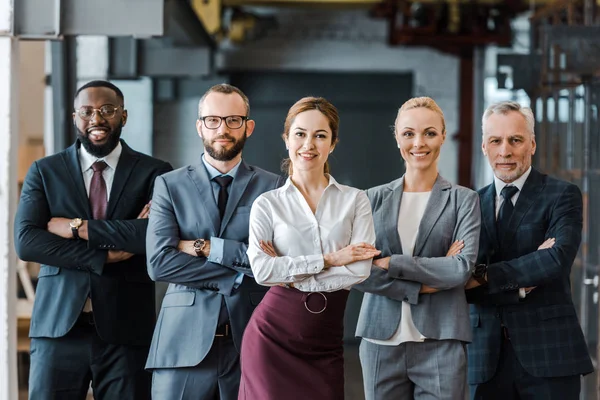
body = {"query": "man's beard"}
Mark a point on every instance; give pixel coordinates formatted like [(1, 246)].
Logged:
[(101, 150), (224, 154)]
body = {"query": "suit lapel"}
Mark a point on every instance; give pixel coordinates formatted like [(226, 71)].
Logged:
[(488, 210), (73, 165), (199, 177), (435, 206), (391, 208), (127, 162), (238, 187), (531, 189)]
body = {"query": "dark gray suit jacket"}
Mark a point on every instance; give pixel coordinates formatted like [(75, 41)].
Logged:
[(543, 327), (452, 214), (122, 293), (184, 208)]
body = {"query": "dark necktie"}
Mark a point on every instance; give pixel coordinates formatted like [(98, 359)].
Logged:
[(223, 181), (506, 210), (98, 191)]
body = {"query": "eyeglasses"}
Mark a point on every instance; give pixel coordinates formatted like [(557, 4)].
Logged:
[(232, 121), (107, 112)]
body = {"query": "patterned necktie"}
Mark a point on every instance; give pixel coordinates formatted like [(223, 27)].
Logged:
[(223, 181), (506, 210), (98, 200)]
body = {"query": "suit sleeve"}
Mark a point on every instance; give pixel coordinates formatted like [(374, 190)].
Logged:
[(166, 263), (34, 243), (444, 273), (127, 235), (544, 266)]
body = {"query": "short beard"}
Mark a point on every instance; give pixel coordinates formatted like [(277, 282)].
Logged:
[(102, 150), (224, 154)]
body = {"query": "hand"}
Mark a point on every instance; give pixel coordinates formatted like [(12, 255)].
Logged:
[(427, 289), (60, 227), (268, 248), (117, 256), (455, 248), (349, 254), (471, 284), (548, 244), (383, 263), (145, 213)]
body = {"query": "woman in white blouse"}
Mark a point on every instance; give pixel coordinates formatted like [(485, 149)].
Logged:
[(414, 319), (311, 240)]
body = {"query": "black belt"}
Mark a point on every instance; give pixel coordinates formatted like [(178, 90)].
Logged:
[(223, 330), (86, 319)]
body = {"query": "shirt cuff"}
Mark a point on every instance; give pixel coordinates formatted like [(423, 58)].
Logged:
[(522, 293), (216, 250)]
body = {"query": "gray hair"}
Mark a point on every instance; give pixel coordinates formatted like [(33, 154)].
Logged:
[(224, 88), (504, 107)]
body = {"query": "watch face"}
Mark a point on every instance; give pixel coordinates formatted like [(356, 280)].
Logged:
[(198, 244), (75, 223), (480, 270)]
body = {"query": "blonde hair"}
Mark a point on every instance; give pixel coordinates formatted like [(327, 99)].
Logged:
[(307, 104), (421, 102)]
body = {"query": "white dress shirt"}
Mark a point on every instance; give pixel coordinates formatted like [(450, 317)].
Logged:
[(301, 238), (86, 160), (412, 209)]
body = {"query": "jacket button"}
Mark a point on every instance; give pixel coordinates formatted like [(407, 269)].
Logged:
[(405, 298)]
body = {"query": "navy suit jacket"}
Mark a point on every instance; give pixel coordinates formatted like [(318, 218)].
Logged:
[(122, 293), (543, 327), (184, 208)]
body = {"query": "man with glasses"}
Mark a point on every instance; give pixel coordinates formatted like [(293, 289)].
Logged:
[(83, 216), (197, 240)]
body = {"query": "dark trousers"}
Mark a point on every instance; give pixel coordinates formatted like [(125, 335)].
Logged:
[(216, 377), (512, 382), (62, 368)]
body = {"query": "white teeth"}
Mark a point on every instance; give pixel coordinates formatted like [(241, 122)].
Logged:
[(419, 154)]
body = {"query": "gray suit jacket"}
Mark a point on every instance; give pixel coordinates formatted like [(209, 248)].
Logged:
[(184, 208), (452, 213)]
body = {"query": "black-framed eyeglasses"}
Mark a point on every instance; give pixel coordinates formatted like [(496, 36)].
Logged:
[(106, 111), (232, 121)]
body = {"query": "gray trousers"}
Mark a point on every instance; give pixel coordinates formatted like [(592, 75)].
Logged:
[(434, 369), (217, 377)]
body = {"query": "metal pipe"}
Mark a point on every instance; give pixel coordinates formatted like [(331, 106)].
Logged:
[(571, 132)]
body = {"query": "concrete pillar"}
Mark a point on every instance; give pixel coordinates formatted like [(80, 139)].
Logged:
[(8, 201)]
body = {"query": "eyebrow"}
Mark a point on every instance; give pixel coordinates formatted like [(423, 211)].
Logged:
[(429, 127), (302, 129)]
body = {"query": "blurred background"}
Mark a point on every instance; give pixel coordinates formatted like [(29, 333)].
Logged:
[(365, 56)]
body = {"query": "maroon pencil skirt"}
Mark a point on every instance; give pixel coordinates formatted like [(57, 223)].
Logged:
[(292, 347)]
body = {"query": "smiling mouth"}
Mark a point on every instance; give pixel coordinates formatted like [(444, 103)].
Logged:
[(307, 156), (420, 154), (97, 133)]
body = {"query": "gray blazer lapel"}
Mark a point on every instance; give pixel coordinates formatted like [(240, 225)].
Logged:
[(531, 189), (74, 169), (238, 187), (392, 209), (435, 206), (199, 176)]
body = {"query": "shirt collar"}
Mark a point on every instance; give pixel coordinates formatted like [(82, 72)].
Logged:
[(213, 172), (519, 183), (112, 159), (332, 182)]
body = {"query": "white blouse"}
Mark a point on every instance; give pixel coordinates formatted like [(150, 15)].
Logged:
[(301, 238)]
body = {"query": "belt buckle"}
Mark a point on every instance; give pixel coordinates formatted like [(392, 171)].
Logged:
[(223, 334), (311, 311)]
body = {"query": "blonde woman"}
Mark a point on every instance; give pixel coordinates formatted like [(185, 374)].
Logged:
[(414, 319)]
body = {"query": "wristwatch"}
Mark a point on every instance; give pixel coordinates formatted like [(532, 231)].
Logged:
[(75, 224), (199, 245), (479, 273)]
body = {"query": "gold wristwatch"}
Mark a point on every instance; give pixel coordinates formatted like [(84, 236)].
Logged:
[(75, 224)]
